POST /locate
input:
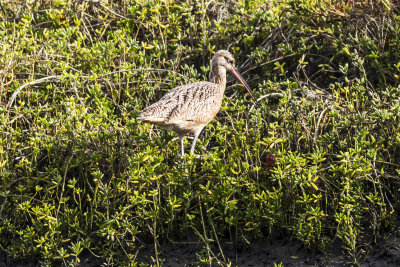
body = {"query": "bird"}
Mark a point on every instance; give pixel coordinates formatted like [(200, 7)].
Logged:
[(189, 108)]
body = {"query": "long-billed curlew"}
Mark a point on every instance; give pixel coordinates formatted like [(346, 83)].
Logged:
[(188, 108)]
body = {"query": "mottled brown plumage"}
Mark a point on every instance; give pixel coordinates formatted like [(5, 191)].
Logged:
[(188, 108)]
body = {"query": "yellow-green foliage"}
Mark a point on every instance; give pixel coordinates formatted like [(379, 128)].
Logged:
[(79, 174)]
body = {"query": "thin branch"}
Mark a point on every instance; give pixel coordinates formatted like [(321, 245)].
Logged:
[(106, 8), (261, 98), (14, 95), (146, 69), (112, 12), (269, 62), (317, 126)]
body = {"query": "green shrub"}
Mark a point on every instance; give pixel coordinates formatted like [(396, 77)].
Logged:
[(318, 160)]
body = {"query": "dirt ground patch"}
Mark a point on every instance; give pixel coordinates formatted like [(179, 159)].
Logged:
[(266, 253), (289, 253)]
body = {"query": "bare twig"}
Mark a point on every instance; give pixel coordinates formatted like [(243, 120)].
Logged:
[(112, 12), (269, 62), (318, 122), (147, 69), (14, 95), (106, 8), (261, 98)]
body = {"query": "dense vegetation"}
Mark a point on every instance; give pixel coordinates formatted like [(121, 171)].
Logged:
[(318, 160)]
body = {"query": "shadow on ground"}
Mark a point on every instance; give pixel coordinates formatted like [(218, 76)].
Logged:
[(267, 253)]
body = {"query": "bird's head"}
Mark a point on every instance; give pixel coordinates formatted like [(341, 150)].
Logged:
[(224, 60)]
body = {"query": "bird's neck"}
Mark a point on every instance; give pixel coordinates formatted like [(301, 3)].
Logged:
[(218, 76)]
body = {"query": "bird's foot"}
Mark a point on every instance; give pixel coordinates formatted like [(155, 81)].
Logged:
[(192, 156), (196, 156)]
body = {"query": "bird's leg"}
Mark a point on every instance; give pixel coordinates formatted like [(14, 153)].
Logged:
[(193, 144), (196, 136), (181, 139)]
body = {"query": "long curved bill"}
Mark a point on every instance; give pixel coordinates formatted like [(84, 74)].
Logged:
[(240, 78)]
